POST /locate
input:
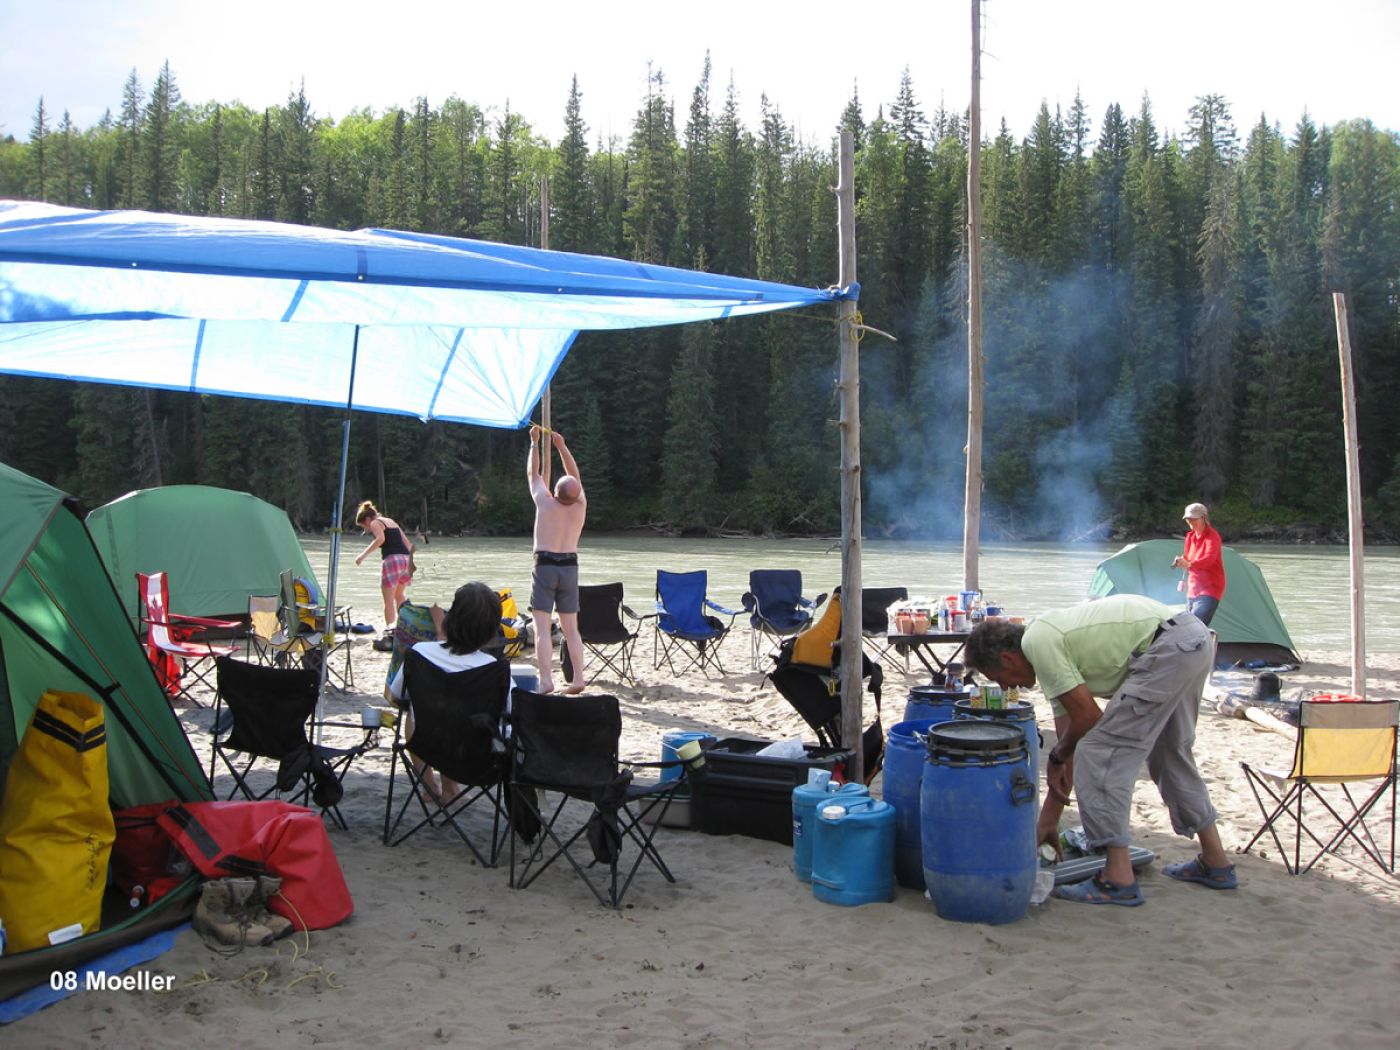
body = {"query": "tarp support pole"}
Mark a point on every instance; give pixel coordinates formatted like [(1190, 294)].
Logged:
[(852, 638), (1356, 533), (328, 634)]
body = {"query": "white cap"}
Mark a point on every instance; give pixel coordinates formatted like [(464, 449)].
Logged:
[(1195, 510), (833, 812)]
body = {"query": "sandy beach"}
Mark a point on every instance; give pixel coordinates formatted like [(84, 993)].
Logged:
[(738, 953)]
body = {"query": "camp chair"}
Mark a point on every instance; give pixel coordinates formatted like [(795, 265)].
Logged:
[(807, 673), (456, 731), (268, 642), (681, 622), (874, 624), (176, 644), (607, 640), (776, 607), (1339, 743), (413, 624), (569, 745), (269, 710), (304, 620)]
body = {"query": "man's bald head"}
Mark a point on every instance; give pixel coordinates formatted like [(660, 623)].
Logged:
[(568, 489)]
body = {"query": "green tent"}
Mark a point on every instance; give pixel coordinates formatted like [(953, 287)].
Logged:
[(1248, 621), (62, 627), (216, 547)]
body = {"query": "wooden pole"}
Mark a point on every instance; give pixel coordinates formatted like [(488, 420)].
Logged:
[(1356, 539), (546, 406), (972, 490), (849, 387)]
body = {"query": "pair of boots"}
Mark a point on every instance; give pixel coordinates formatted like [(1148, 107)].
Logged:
[(234, 911)]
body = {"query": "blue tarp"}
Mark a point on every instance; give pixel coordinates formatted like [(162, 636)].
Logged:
[(436, 327)]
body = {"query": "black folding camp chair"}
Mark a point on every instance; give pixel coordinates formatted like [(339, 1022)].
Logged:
[(807, 673), (874, 625), (264, 713), (568, 745), (457, 727), (608, 641)]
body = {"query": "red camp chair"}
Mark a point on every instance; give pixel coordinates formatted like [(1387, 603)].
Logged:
[(176, 644)]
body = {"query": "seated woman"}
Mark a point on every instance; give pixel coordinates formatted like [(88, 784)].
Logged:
[(469, 626)]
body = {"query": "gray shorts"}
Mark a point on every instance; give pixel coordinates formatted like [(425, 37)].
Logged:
[(554, 587), (1152, 718)]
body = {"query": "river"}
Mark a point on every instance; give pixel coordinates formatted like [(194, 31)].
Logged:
[(1309, 583)]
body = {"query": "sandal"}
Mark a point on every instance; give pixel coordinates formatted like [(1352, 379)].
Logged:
[(1199, 871), (1100, 891)]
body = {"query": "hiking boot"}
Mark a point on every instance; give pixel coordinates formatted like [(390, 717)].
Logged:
[(223, 913), (270, 886)]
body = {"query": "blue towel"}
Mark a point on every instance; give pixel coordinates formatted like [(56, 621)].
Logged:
[(114, 962)]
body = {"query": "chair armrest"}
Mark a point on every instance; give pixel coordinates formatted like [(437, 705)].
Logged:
[(731, 613), (628, 611), (813, 603), (749, 602), (181, 620)]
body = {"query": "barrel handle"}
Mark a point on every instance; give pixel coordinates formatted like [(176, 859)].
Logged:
[(1022, 789)]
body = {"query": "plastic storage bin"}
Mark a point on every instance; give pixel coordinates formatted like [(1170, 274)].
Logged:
[(743, 793)]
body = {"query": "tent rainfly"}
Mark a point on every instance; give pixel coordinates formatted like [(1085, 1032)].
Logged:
[(1248, 622)]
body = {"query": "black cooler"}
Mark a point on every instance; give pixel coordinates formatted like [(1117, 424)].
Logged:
[(743, 793)]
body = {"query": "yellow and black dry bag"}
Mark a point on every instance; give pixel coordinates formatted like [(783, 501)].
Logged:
[(56, 826)]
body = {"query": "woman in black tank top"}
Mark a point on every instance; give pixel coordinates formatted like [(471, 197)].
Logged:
[(396, 568)]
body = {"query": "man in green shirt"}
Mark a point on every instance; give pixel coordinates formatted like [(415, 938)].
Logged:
[(1150, 663)]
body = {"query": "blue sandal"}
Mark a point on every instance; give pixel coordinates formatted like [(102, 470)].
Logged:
[(1100, 891), (1198, 871)]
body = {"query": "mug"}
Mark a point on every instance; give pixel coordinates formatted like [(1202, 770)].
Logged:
[(371, 718)]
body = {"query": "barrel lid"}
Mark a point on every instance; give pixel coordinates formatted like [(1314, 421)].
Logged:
[(974, 734), (935, 692), (1018, 710)]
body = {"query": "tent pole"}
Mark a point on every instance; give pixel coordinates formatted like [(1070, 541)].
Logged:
[(848, 385), (328, 634), (1356, 535)]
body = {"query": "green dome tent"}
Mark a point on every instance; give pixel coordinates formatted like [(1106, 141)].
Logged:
[(217, 546), (62, 627), (1248, 621)]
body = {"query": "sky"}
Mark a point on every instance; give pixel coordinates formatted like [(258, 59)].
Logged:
[(1277, 58)]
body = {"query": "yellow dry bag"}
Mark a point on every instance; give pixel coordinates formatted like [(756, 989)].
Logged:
[(56, 826)]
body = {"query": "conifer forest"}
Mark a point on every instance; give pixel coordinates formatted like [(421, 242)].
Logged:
[(1158, 312)]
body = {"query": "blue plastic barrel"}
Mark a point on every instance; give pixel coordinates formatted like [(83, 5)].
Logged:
[(670, 744), (978, 809), (932, 702), (853, 851), (805, 800), (903, 772), (1020, 714)]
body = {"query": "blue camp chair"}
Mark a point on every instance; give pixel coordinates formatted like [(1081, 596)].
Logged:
[(683, 628), (776, 607)]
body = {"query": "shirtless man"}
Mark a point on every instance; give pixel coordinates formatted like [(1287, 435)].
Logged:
[(558, 523)]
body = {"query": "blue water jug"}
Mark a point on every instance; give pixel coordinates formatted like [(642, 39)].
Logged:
[(978, 810), (853, 851), (932, 702), (805, 800), (905, 754)]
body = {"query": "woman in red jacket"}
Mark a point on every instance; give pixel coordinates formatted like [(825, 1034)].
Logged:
[(1205, 571)]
